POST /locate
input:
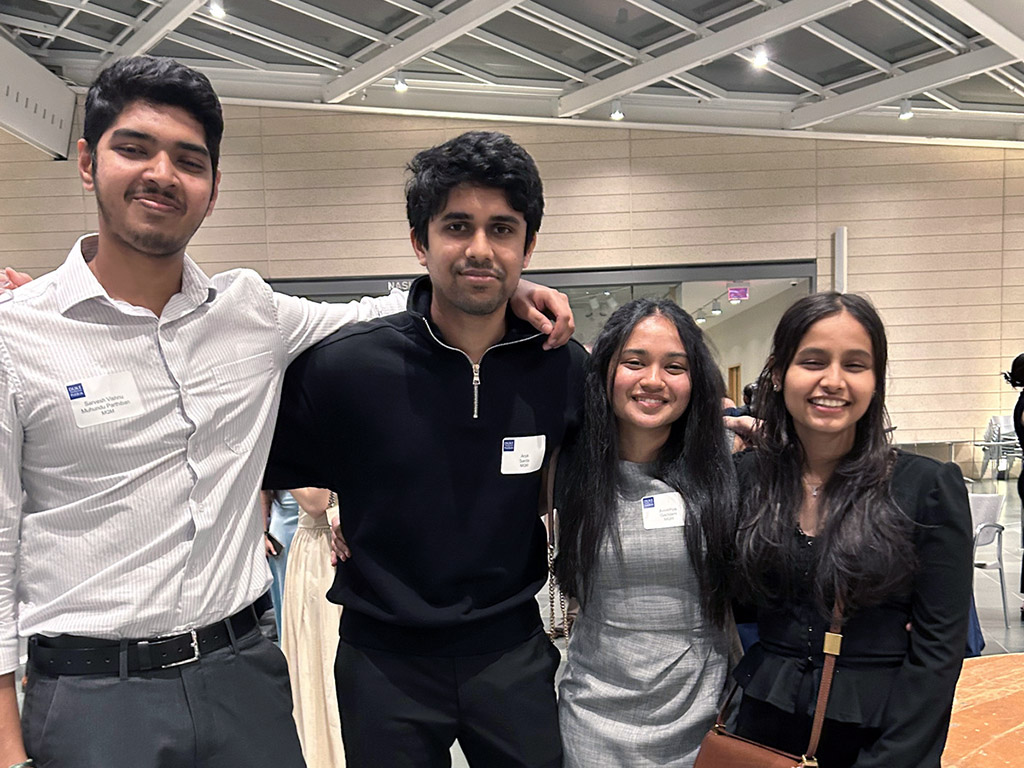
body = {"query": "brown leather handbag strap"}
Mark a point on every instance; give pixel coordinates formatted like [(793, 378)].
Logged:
[(833, 641)]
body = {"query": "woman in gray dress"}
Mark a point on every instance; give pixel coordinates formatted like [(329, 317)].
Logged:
[(646, 503)]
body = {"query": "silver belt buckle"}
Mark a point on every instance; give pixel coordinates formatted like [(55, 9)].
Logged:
[(195, 653)]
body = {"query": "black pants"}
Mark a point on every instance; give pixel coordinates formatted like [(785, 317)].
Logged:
[(402, 711), (228, 710), (840, 743)]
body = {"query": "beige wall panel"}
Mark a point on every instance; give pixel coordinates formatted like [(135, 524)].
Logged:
[(241, 145), (1013, 241), (16, 151), (410, 142), (911, 297), (881, 174), (44, 169), (1014, 222), (866, 246), (712, 217), (594, 258), (599, 222), (220, 253), (235, 164), (1014, 169), (769, 233), (230, 236), (239, 198), (353, 232), (357, 177), (52, 239), (319, 251), (352, 267), (700, 182), (916, 369), (583, 169), (848, 213), (323, 161), (39, 188), (940, 315), (582, 241), (874, 265), (1009, 348), (927, 278), (697, 144), (961, 401), (894, 191), (235, 217), (332, 214), (284, 122), (564, 206), (618, 185), (722, 163), (941, 420), (910, 227), (530, 135), (1014, 330), (282, 198), (944, 385), (241, 181), (705, 253), (577, 150), (1014, 277), (903, 154), (967, 332), (55, 206), (243, 126), (1014, 186), (69, 222), (944, 352), (1013, 205), (1013, 259), (734, 198)]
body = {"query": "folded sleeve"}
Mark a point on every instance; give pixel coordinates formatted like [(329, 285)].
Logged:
[(918, 710), (303, 323)]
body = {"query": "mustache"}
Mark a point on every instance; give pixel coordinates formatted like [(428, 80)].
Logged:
[(475, 267), (152, 189)]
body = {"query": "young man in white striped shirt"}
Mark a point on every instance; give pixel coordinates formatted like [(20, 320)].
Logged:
[(137, 399)]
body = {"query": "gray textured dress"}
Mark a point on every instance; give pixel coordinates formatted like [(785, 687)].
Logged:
[(645, 671)]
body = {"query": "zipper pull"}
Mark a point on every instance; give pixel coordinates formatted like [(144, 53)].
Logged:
[(476, 390)]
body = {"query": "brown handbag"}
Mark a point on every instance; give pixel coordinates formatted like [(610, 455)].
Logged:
[(721, 749)]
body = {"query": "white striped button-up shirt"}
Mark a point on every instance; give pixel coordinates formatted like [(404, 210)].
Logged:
[(132, 448)]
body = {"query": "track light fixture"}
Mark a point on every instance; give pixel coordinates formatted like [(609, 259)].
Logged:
[(701, 317), (906, 111), (400, 85), (716, 308), (617, 113)]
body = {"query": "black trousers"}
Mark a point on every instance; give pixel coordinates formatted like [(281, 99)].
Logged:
[(402, 711), (840, 743), (230, 709)]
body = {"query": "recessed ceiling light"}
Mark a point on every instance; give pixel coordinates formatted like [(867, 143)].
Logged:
[(760, 57), (906, 111), (400, 85)]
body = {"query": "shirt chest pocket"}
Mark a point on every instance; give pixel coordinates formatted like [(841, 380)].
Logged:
[(244, 392)]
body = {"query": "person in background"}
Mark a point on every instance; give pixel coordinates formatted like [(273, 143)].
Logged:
[(1015, 378), (831, 514), (280, 518), (137, 400), (647, 507), (309, 636)]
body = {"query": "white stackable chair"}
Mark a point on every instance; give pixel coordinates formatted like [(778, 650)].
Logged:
[(985, 511)]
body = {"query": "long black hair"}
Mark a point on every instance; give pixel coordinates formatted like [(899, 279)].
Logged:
[(694, 461), (864, 550)]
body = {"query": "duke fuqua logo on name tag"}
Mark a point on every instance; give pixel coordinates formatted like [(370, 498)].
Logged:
[(663, 510), (522, 455), (101, 399)]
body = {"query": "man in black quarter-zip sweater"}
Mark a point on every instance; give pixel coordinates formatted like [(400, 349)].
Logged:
[(433, 426)]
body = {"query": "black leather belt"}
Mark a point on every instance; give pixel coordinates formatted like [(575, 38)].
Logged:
[(73, 655)]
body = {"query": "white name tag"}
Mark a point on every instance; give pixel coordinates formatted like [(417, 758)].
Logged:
[(522, 455), (663, 510), (102, 399)]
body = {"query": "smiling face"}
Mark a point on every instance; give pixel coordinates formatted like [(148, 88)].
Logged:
[(650, 386), (477, 250), (152, 177), (829, 384)]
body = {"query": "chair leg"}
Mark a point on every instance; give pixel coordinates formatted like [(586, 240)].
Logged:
[(1002, 577)]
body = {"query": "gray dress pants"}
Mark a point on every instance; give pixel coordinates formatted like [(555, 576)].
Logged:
[(230, 709)]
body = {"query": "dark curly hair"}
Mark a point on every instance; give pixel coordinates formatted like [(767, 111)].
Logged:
[(482, 158), (155, 81), (1015, 376)]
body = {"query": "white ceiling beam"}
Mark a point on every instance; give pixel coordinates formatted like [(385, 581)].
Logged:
[(899, 87), (333, 19), (919, 28), (523, 52), (157, 27), (741, 35), (672, 17), (276, 40), (1000, 21), (458, 22), (49, 30), (217, 50), (577, 32), (933, 23)]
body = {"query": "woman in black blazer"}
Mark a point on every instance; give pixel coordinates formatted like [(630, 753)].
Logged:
[(830, 511)]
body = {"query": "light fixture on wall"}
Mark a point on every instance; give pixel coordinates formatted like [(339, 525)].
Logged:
[(217, 9), (400, 85), (760, 59), (701, 317), (716, 308), (617, 113), (906, 111)]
